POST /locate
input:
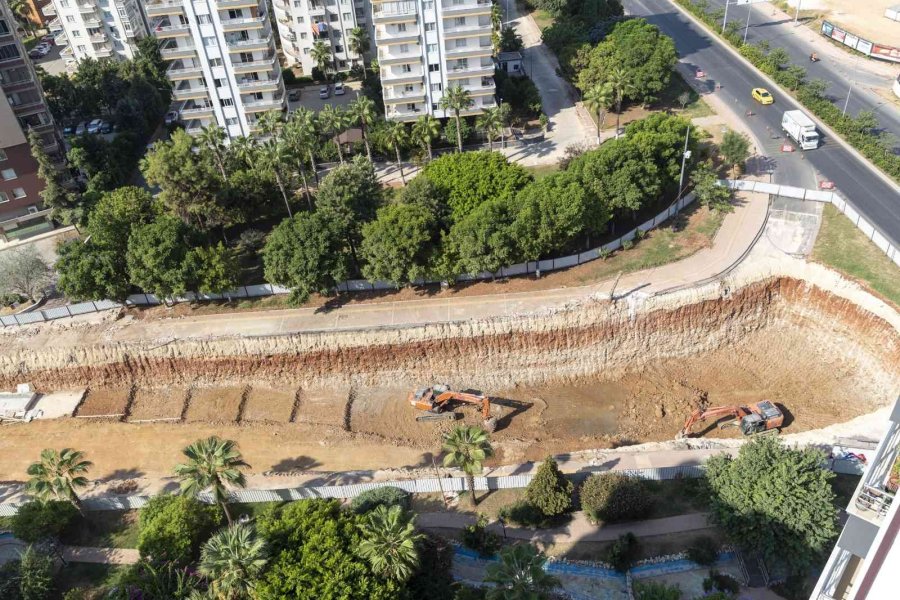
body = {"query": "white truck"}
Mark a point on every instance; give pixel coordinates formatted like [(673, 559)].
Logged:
[(801, 128)]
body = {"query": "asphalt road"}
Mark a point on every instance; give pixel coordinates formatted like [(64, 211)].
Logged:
[(878, 200), (840, 75)]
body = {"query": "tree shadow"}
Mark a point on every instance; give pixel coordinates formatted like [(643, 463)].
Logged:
[(300, 463), (517, 407)]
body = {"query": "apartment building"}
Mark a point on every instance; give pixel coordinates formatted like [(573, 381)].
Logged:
[(22, 109), (865, 561), (301, 23), (223, 64), (428, 46), (95, 28)]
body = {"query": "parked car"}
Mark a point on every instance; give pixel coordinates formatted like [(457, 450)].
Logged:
[(81, 129), (69, 129), (324, 92), (339, 89), (294, 95), (43, 48), (50, 39), (37, 53), (94, 126), (171, 117), (106, 127)]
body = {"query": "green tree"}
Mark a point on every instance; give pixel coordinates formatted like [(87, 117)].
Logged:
[(117, 213), (212, 141), (425, 131), (156, 257), (321, 55), (157, 581), (358, 42), (58, 475), (619, 82), (213, 269), (735, 149), (485, 239), (387, 495), (212, 464), (173, 528), (520, 575), (466, 449), (91, 272), (398, 244), (784, 510), (306, 253), (456, 99), (275, 155), (421, 190), (612, 497), (232, 560), (550, 491), (23, 271), (35, 575), (396, 137), (389, 542), (38, 520), (510, 41), (489, 123), (362, 110), (333, 121), (56, 193), (709, 192), (598, 100), (550, 215)]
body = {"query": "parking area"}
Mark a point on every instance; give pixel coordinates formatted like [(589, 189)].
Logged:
[(53, 63), (309, 96)]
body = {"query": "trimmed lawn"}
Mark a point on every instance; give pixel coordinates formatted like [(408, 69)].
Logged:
[(104, 529), (843, 247)]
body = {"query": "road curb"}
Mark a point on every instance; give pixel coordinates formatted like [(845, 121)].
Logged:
[(873, 168)]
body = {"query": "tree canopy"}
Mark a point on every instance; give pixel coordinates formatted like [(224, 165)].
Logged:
[(397, 246), (173, 528)]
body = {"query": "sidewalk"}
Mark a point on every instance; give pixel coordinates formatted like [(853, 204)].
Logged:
[(106, 556)]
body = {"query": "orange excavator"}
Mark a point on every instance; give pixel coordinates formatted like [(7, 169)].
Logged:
[(437, 398), (760, 418)]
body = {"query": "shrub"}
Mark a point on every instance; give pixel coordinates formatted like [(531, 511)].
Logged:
[(172, 528), (36, 521), (384, 496), (720, 582), (476, 537), (623, 552), (550, 491), (612, 497), (288, 76), (656, 591), (704, 551), (627, 244), (524, 513)]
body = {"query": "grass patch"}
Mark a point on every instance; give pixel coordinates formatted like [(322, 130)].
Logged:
[(104, 529), (541, 171), (85, 575), (843, 247), (673, 497), (489, 503)]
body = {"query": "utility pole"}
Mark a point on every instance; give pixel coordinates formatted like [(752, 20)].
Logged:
[(747, 26), (725, 18), (684, 158), (797, 14), (847, 101)]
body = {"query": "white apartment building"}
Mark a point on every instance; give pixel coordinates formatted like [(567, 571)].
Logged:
[(224, 69), (301, 23), (428, 46), (95, 28)]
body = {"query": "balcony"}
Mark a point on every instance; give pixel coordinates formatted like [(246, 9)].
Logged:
[(195, 126), (469, 51), (263, 105), (478, 108), (92, 21), (170, 30), (260, 85), (29, 108), (103, 51), (382, 35), (386, 57), (61, 40), (469, 7), (175, 73), (49, 10), (461, 71), (260, 43), (190, 92), (244, 23), (174, 52), (54, 25), (237, 3), (195, 112), (394, 12), (316, 10), (282, 5), (87, 9), (18, 85), (255, 65), (404, 113), (467, 30), (483, 88), (98, 37), (163, 7), (67, 51), (390, 77), (393, 96)]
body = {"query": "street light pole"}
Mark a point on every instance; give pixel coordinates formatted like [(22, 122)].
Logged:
[(797, 14), (684, 157), (725, 18), (747, 26), (847, 101)]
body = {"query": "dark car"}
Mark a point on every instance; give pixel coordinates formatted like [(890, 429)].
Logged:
[(69, 129), (106, 127)]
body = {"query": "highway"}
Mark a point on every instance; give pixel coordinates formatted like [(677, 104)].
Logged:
[(876, 199)]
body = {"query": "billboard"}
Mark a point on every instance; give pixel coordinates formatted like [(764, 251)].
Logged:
[(880, 51)]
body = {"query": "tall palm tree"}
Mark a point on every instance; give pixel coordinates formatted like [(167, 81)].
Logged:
[(333, 121), (321, 55), (425, 130), (467, 448), (270, 123), (232, 560), (58, 475), (619, 81), (358, 42), (214, 464), (297, 140), (503, 113), (275, 154), (242, 151), (456, 99), (389, 542), (212, 139), (597, 100), (396, 136), (520, 574), (489, 122), (309, 128), (363, 112)]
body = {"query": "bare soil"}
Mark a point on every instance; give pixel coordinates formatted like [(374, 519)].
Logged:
[(267, 404), (215, 404), (158, 403), (103, 402)]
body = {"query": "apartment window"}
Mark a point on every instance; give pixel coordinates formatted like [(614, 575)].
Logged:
[(2, 154), (231, 121), (209, 42), (434, 106), (64, 3), (333, 18), (8, 174), (226, 102), (76, 33), (345, 1), (435, 87), (407, 68), (338, 48), (19, 193), (306, 51), (257, 96), (408, 87), (434, 68), (410, 106), (215, 62), (303, 35), (32, 209), (4, 28), (401, 27), (9, 51), (301, 19), (431, 47), (204, 19), (459, 21), (429, 26), (82, 49), (462, 43), (235, 14), (342, 64), (428, 5), (404, 48), (347, 16), (3, 197), (219, 82)]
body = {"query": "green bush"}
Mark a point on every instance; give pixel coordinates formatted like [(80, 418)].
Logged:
[(384, 496), (37, 521), (612, 497), (704, 551), (288, 76), (656, 591), (524, 514), (476, 537), (172, 528), (623, 553), (550, 491)]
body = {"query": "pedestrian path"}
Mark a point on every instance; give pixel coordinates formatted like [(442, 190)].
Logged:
[(106, 556)]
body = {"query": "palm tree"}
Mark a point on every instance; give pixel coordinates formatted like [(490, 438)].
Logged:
[(232, 560), (274, 154), (467, 448), (308, 128), (212, 139), (242, 150), (619, 81), (358, 42), (489, 122), (212, 464), (363, 112), (270, 123), (297, 140), (321, 55), (21, 10), (456, 99), (396, 136), (425, 130), (333, 121), (520, 574), (389, 542), (503, 112), (597, 100), (58, 475)]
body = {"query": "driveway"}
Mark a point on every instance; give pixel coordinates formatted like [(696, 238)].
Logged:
[(309, 96), (53, 62)]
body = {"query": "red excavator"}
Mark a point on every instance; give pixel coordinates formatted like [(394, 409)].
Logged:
[(437, 398), (760, 418)]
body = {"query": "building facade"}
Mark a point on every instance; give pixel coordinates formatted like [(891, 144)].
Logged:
[(302, 23), (865, 561), (95, 28), (428, 46), (223, 65), (22, 109)]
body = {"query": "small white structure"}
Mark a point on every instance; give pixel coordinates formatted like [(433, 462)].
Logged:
[(511, 63), (893, 12)]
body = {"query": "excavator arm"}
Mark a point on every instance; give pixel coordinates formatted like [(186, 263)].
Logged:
[(710, 413), (483, 401)]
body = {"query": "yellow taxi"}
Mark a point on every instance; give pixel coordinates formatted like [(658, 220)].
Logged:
[(762, 96)]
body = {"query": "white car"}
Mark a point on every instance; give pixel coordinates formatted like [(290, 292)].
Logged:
[(81, 129), (324, 92), (339, 89), (171, 117), (94, 126)]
